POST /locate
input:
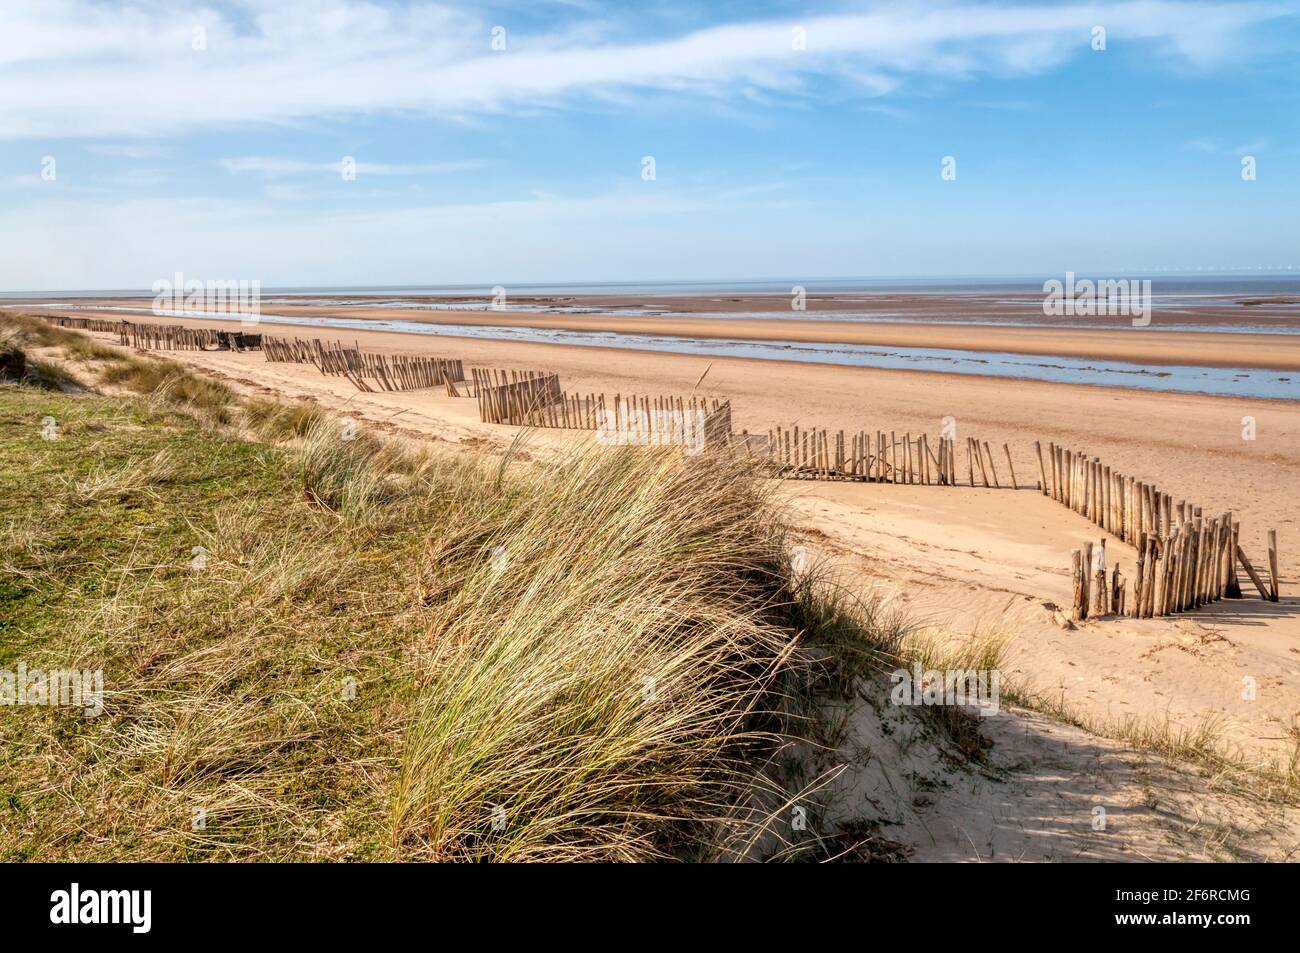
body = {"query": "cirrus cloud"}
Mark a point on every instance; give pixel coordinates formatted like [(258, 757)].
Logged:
[(151, 68)]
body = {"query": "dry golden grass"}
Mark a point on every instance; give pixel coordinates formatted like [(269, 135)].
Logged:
[(602, 657)]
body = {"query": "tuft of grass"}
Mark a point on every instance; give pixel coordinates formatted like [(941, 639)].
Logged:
[(170, 383), (126, 480), (11, 354), (18, 366), (603, 657), (276, 421), (982, 652), (1200, 745), (84, 349), (347, 472), (33, 331)]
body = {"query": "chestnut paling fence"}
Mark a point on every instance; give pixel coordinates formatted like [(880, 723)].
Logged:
[(1184, 559), (162, 337), (171, 337), (815, 453), (103, 325), (536, 399), (366, 370)]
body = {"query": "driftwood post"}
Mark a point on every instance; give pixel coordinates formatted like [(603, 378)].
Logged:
[(1087, 576), (992, 468), (1136, 608), (1100, 602), (1080, 607)]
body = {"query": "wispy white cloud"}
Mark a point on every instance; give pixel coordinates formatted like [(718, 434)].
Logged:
[(1216, 146), (154, 68), (128, 150), (1252, 148), (273, 167), (893, 112)]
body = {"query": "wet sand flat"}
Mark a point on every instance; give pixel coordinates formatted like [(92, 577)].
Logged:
[(1114, 342)]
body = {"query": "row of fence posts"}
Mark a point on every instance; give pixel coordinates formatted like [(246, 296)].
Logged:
[(523, 398), (1122, 506), (396, 372), (1190, 568), (536, 399), (337, 358), (161, 337), (694, 423), (410, 371), (171, 337), (818, 454), (284, 351), (977, 452), (103, 325), (1184, 559)]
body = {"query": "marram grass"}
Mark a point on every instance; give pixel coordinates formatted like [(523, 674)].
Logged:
[(602, 654)]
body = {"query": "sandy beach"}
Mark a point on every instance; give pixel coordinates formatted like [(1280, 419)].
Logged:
[(963, 562)]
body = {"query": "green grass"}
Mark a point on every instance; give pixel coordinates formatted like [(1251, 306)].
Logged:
[(224, 683), (75, 543)]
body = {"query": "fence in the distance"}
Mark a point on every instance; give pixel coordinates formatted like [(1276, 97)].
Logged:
[(819, 454), (367, 371), (171, 337), (536, 399), (161, 337), (284, 351), (103, 325)]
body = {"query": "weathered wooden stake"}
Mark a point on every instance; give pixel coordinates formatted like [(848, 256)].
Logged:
[(1264, 592), (1272, 562), (1080, 608)]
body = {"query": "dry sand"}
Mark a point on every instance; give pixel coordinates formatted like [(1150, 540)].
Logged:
[(964, 561)]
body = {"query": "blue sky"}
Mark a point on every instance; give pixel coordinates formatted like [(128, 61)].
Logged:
[(481, 165)]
